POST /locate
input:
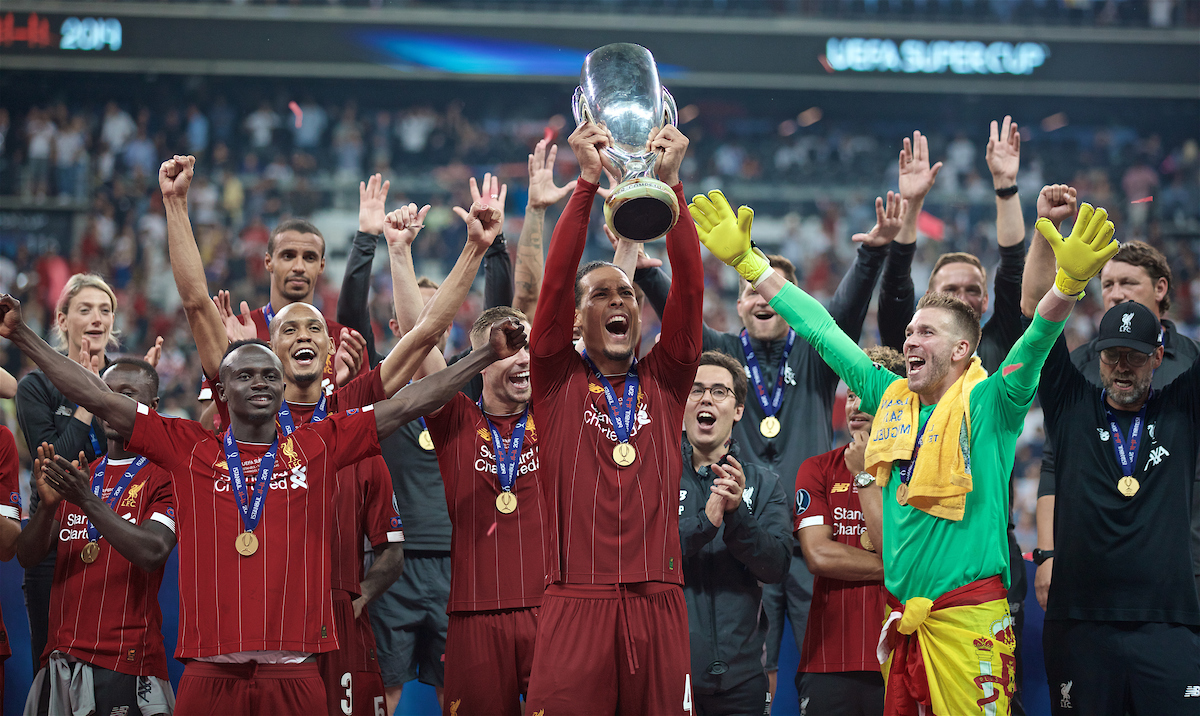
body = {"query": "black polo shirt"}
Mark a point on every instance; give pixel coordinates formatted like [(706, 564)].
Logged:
[(1121, 558)]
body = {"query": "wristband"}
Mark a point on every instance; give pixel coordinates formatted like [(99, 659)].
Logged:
[(1006, 191), (1066, 296), (762, 277), (1069, 286)]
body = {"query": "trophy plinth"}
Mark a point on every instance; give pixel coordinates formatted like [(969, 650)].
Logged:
[(619, 89)]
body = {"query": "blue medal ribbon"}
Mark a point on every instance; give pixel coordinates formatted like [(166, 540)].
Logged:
[(250, 507), (421, 420), (770, 405), (269, 314), (1127, 456), (115, 495), (906, 471), (285, 415), (620, 410), (508, 458), (95, 441)]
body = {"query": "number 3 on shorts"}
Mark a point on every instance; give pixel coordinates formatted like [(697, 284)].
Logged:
[(347, 703), (687, 694)]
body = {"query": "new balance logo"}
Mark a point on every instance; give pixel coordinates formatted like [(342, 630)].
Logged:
[(1156, 456), (1126, 323), (1191, 692), (64, 410)]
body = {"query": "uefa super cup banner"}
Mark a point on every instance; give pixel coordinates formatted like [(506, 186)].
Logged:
[(619, 89)]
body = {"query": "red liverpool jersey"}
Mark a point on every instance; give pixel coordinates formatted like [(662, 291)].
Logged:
[(497, 561), (277, 599), (118, 625), (845, 617), (10, 504)]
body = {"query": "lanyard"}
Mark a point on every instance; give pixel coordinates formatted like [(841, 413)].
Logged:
[(285, 415), (507, 459), (115, 495), (620, 410), (269, 314), (770, 406), (250, 508), (1127, 456), (906, 472)]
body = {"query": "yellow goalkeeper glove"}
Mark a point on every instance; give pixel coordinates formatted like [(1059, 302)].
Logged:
[(1081, 255), (728, 236)]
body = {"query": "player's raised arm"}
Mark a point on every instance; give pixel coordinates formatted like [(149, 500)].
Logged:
[(78, 384), (430, 393), (174, 179), (1056, 203), (683, 316), (543, 193)]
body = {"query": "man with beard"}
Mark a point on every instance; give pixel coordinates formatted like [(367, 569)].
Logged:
[(113, 529), (250, 651), (1139, 272), (1122, 631), (942, 449)]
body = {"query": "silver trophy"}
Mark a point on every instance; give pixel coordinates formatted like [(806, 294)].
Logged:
[(619, 89)]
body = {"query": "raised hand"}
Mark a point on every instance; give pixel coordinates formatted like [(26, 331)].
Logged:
[(916, 176), (620, 246), (1081, 255), (1004, 153), (237, 328), (1056, 202), (175, 176), (155, 353), (542, 191), (673, 145), (86, 358), (50, 496), (586, 141), (348, 358), (401, 226), (10, 316), (507, 337), (888, 221), (485, 219), (730, 483), (372, 199), (728, 236), (67, 479)]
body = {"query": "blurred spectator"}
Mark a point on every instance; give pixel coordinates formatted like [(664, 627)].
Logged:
[(40, 133)]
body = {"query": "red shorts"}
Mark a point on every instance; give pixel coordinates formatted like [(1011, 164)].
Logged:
[(611, 649), (250, 689), (488, 658), (353, 686)]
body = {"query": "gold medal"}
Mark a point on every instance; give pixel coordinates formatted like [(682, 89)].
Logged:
[(865, 541), (425, 441), (1128, 486), (902, 494), (769, 426), (624, 454), (506, 503), (246, 544), (91, 552)]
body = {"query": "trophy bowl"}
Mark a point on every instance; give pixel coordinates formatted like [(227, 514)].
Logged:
[(619, 89)]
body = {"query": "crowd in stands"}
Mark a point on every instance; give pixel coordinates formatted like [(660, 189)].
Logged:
[(812, 183)]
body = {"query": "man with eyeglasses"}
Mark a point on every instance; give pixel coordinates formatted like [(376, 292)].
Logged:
[(734, 531), (1122, 631)]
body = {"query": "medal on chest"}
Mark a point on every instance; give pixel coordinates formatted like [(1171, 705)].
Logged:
[(91, 550), (250, 507), (622, 410), (508, 459), (769, 426), (1126, 447)]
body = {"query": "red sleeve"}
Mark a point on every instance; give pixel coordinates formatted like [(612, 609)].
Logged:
[(366, 388), (555, 318), (166, 442), (683, 316), (162, 497), (351, 436), (10, 481), (811, 506), (381, 516)]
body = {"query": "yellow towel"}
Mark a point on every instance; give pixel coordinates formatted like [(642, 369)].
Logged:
[(942, 477)]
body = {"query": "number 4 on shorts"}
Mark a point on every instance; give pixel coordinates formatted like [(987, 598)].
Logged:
[(687, 694)]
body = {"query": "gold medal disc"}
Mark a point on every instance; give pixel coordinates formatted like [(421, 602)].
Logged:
[(624, 454), (902, 494), (506, 503), (425, 441), (246, 544), (769, 426), (91, 552), (1128, 486), (865, 541)]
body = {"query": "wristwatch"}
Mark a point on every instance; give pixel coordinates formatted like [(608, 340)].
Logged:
[(864, 479), (1041, 555)]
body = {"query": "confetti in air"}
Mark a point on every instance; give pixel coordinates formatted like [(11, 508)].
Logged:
[(1146, 200), (296, 111)]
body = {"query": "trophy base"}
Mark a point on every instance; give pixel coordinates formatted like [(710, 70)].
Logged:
[(641, 209)]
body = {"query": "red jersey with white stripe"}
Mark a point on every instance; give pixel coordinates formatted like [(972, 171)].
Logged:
[(845, 617), (614, 524), (106, 613), (497, 561), (10, 504), (277, 599)]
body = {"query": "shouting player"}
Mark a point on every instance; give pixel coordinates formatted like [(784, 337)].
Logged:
[(612, 630)]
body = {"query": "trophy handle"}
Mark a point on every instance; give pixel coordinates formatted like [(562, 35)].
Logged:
[(579, 107), (670, 112)]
